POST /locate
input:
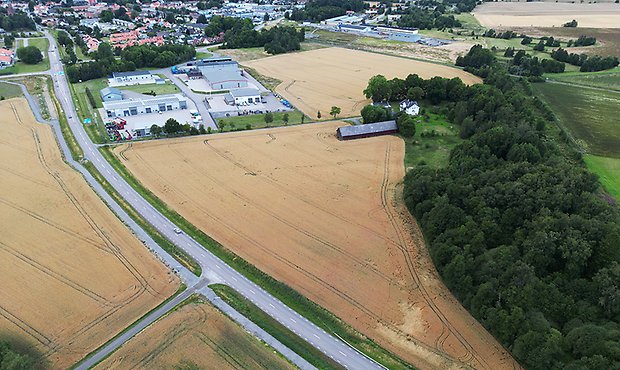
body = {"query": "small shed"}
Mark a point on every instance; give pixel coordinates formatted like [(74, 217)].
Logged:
[(371, 129), (111, 94)]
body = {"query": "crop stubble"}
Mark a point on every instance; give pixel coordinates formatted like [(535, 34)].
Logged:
[(322, 216), (318, 79), (196, 333), (73, 275)]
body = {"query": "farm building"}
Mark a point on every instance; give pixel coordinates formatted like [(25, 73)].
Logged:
[(371, 129), (111, 94), (131, 78), (225, 79), (132, 107), (244, 96)]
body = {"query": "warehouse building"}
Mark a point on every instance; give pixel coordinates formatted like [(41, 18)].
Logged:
[(225, 79), (156, 104), (371, 129), (244, 96), (110, 94), (222, 64), (131, 78)]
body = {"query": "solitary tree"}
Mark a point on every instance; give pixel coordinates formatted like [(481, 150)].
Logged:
[(335, 111), (318, 114), (285, 118), (201, 129), (268, 118), (155, 130), (406, 125), (303, 118), (172, 126), (415, 93), (29, 55)]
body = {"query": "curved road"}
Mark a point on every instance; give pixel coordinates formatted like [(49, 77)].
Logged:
[(214, 270)]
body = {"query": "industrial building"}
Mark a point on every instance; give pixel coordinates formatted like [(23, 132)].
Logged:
[(371, 129), (225, 79), (244, 96), (132, 107), (221, 64), (131, 78), (110, 94)]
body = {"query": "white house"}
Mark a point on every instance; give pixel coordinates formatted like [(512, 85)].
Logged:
[(245, 96), (410, 107), (133, 107), (131, 78)]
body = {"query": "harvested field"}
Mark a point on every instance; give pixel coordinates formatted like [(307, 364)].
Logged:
[(324, 217), (73, 275), (318, 79), (539, 14), (196, 334)]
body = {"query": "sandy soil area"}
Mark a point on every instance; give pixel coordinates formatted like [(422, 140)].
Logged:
[(318, 79), (547, 14), (196, 334), (322, 216), (72, 274)]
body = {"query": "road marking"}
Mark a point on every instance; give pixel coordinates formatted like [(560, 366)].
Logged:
[(218, 266), (293, 320), (342, 353), (234, 278), (253, 292), (272, 306), (317, 337)]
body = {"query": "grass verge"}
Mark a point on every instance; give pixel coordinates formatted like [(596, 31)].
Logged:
[(608, 170), (293, 299), (96, 130), (274, 328), (181, 289), (253, 121)]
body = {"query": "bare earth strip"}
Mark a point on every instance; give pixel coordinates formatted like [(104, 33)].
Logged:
[(318, 79), (537, 14), (72, 274), (322, 216), (198, 334)]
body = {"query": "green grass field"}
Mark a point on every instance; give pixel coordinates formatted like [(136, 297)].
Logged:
[(258, 121), (167, 88), (608, 170), (433, 141), (273, 327), (19, 67), (96, 130), (590, 115), (8, 91), (604, 79)]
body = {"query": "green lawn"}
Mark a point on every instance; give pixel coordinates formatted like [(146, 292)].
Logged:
[(274, 328), (590, 115), (8, 91), (80, 55), (167, 88), (42, 43), (19, 67), (203, 55), (608, 170), (95, 130), (434, 139), (258, 121)]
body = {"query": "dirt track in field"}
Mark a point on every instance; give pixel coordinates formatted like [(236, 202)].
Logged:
[(72, 274), (318, 79), (322, 216), (547, 14), (196, 334)]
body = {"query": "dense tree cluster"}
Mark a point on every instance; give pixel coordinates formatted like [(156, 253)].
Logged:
[(518, 231), (139, 56), (587, 63), (16, 22), (319, 10), (571, 24), (29, 54), (12, 360), (413, 87), (375, 113), (584, 41), (523, 64), (427, 19)]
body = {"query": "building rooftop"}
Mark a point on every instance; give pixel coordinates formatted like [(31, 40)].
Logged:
[(161, 99), (367, 129), (110, 90), (216, 76), (131, 73), (249, 91)]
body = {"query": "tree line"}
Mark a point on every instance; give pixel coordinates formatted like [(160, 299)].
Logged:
[(10, 359), (585, 62), (517, 228), (131, 58), (16, 22), (427, 19)]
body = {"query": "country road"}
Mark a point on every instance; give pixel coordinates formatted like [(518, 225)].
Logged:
[(213, 269)]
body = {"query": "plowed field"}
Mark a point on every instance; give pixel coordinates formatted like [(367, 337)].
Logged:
[(323, 216), (196, 334), (318, 79), (72, 274)]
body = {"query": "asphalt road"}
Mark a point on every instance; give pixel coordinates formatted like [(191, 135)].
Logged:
[(214, 270)]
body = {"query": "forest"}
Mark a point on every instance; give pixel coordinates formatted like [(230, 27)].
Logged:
[(516, 225), (17, 22), (320, 10), (427, 19), (585, 62)]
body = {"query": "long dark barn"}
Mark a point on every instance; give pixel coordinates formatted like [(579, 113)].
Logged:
[(371, 129)]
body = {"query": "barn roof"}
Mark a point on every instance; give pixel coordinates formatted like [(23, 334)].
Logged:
[(371, 128)]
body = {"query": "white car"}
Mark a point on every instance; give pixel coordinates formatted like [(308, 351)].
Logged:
[(177, 230)]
